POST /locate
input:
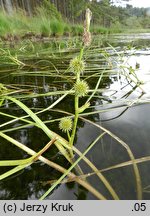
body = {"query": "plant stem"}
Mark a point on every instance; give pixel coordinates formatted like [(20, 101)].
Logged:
[(55, 166), (76, 102), (98, 195)]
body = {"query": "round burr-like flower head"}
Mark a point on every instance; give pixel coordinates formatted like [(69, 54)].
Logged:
[(81, 88), (65, 124)]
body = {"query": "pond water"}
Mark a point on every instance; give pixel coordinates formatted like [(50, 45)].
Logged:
[(122, 107)]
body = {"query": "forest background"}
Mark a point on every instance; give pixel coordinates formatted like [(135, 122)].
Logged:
[(65, 17)]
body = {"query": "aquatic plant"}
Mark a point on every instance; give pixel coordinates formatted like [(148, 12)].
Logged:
[(3, 89), (57, 27), (44, 27), (81, 88), (77, 65), (67, 126), (87, 34)]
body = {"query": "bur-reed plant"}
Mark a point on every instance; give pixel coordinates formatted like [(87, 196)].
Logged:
[(68, 124), (26, 162), (77, 66)]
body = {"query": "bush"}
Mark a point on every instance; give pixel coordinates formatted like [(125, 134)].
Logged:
[(57, 27), (45, 28)]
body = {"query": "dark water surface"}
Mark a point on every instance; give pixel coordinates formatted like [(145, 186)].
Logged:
[(128, 117)]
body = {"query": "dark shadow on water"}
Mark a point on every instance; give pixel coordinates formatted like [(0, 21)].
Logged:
[(132, 125)]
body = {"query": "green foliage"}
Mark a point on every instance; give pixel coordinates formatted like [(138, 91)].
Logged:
[(76, 8), (67, 28), (145, 22), (49, 10), (19, 20), (64, 19), (17, 23), (116, 27), (45, 28), (77, 29), (57, 27), (4, 24), (132, 22), (99, 30), (3, 89)]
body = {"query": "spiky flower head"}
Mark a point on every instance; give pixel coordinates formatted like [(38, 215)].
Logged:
[(65, 124), (87, 35), (81, 88), (77, 65), (87, 38)]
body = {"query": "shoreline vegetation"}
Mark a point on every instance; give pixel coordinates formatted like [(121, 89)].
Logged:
[(48, 22)]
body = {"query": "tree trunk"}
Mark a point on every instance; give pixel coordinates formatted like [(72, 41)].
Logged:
[(29, 9), (2, 5), (9, 7)]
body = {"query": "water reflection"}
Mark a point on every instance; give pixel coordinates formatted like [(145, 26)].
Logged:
[(131, 124)]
